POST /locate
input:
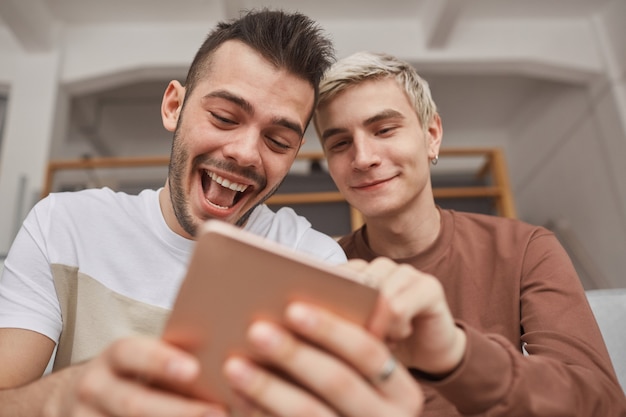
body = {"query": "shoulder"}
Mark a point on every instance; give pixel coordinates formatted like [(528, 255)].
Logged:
[(477, 234), (284, 224), (495, 226), (88, 210), (94, 196), (355, 245), (289, 229), (97, 200)]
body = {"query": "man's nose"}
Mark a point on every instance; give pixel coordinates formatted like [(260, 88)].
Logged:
[(365, 155), (244, 148)]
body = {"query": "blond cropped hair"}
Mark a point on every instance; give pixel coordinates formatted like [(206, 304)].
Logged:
[(364, 66)]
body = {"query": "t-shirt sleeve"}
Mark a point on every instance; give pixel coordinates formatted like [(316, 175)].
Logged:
[(322, 246), (27, 294)]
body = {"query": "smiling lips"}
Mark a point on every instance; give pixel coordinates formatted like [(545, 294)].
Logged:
[(220, 192), (369, 184)]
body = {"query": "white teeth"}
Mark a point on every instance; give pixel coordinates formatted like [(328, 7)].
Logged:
[(227, 184), (216, 205)]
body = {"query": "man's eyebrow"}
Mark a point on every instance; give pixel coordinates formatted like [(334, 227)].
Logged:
[(331, 132), (248, 108), (281, 121), (383, 115), (233, 98)]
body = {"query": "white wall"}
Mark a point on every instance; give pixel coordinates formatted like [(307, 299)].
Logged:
[(567, 161), (565, 143), (30, 122), (560, 169)]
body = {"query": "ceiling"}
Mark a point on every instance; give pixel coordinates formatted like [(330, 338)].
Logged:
[(98, 11), (487, 60)]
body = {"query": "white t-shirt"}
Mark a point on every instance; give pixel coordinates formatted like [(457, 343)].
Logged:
[(92, 266)]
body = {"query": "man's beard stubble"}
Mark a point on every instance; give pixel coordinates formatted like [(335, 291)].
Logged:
[(178, 198)]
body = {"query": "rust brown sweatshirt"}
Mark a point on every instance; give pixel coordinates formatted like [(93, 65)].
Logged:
[(510, 284)]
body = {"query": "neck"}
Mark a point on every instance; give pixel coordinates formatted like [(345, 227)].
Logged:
[(405, 235), (167, 209)]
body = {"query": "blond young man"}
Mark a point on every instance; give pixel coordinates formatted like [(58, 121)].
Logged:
[(508, 285)]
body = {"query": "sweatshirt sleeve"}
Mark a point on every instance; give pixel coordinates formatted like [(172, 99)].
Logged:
[(567, 371), (495, 379)]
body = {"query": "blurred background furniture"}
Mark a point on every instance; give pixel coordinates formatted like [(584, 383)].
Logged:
[(471, 179), (609, 307)]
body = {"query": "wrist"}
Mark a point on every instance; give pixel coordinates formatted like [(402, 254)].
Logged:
[(448, 363)]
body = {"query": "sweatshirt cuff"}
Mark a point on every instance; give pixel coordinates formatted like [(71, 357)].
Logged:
[(483, 377)]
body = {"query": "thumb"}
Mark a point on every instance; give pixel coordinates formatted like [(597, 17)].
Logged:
[(381, 318)]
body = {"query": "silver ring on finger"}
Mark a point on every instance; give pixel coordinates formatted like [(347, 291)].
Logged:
[(386, 371)]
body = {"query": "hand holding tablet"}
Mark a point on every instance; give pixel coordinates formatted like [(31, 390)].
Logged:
[(235, 278)]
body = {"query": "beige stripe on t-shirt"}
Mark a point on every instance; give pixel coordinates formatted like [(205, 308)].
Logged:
[(94, 316)]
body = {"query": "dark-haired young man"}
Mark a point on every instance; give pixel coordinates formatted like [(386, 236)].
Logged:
[(94, 273)]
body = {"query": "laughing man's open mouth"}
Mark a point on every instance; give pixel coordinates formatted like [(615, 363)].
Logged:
[(221, 192)]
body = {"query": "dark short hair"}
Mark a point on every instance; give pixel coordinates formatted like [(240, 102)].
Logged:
[(288, 40)]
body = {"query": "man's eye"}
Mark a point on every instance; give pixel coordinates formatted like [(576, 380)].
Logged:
[(222, 119), (385, 131), (338, 145), (277, 144)]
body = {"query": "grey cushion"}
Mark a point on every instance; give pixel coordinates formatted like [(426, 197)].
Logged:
[(609, 308)]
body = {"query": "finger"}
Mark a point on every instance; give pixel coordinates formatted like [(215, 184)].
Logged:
[(353, 344), (112, 395), (355, 265), (405, 301), (152, 360), (329, 377), (381, 319), (266, 392), (381, 270), (372, 273), (131, 399), (397, 279), (81, 410), (408, 293), (395, 308)]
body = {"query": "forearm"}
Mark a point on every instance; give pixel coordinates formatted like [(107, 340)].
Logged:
[(495, 378), (36, 398)]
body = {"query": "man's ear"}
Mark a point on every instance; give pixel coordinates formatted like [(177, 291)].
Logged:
[(172, 104), (435, 136)]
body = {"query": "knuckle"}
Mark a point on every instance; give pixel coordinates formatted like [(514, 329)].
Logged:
[(435, 285), (368, 350), (340, 382), (410, 272), (132, 405), (259, 385), (415, 403), (119, 348), (382, 261), (310, 408), (407, 268), (396, 311), (89, 387), (356, 263)]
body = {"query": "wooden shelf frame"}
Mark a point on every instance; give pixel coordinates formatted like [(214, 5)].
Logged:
[(494, 166)]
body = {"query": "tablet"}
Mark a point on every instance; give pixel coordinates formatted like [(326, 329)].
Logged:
[(235, 277)]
